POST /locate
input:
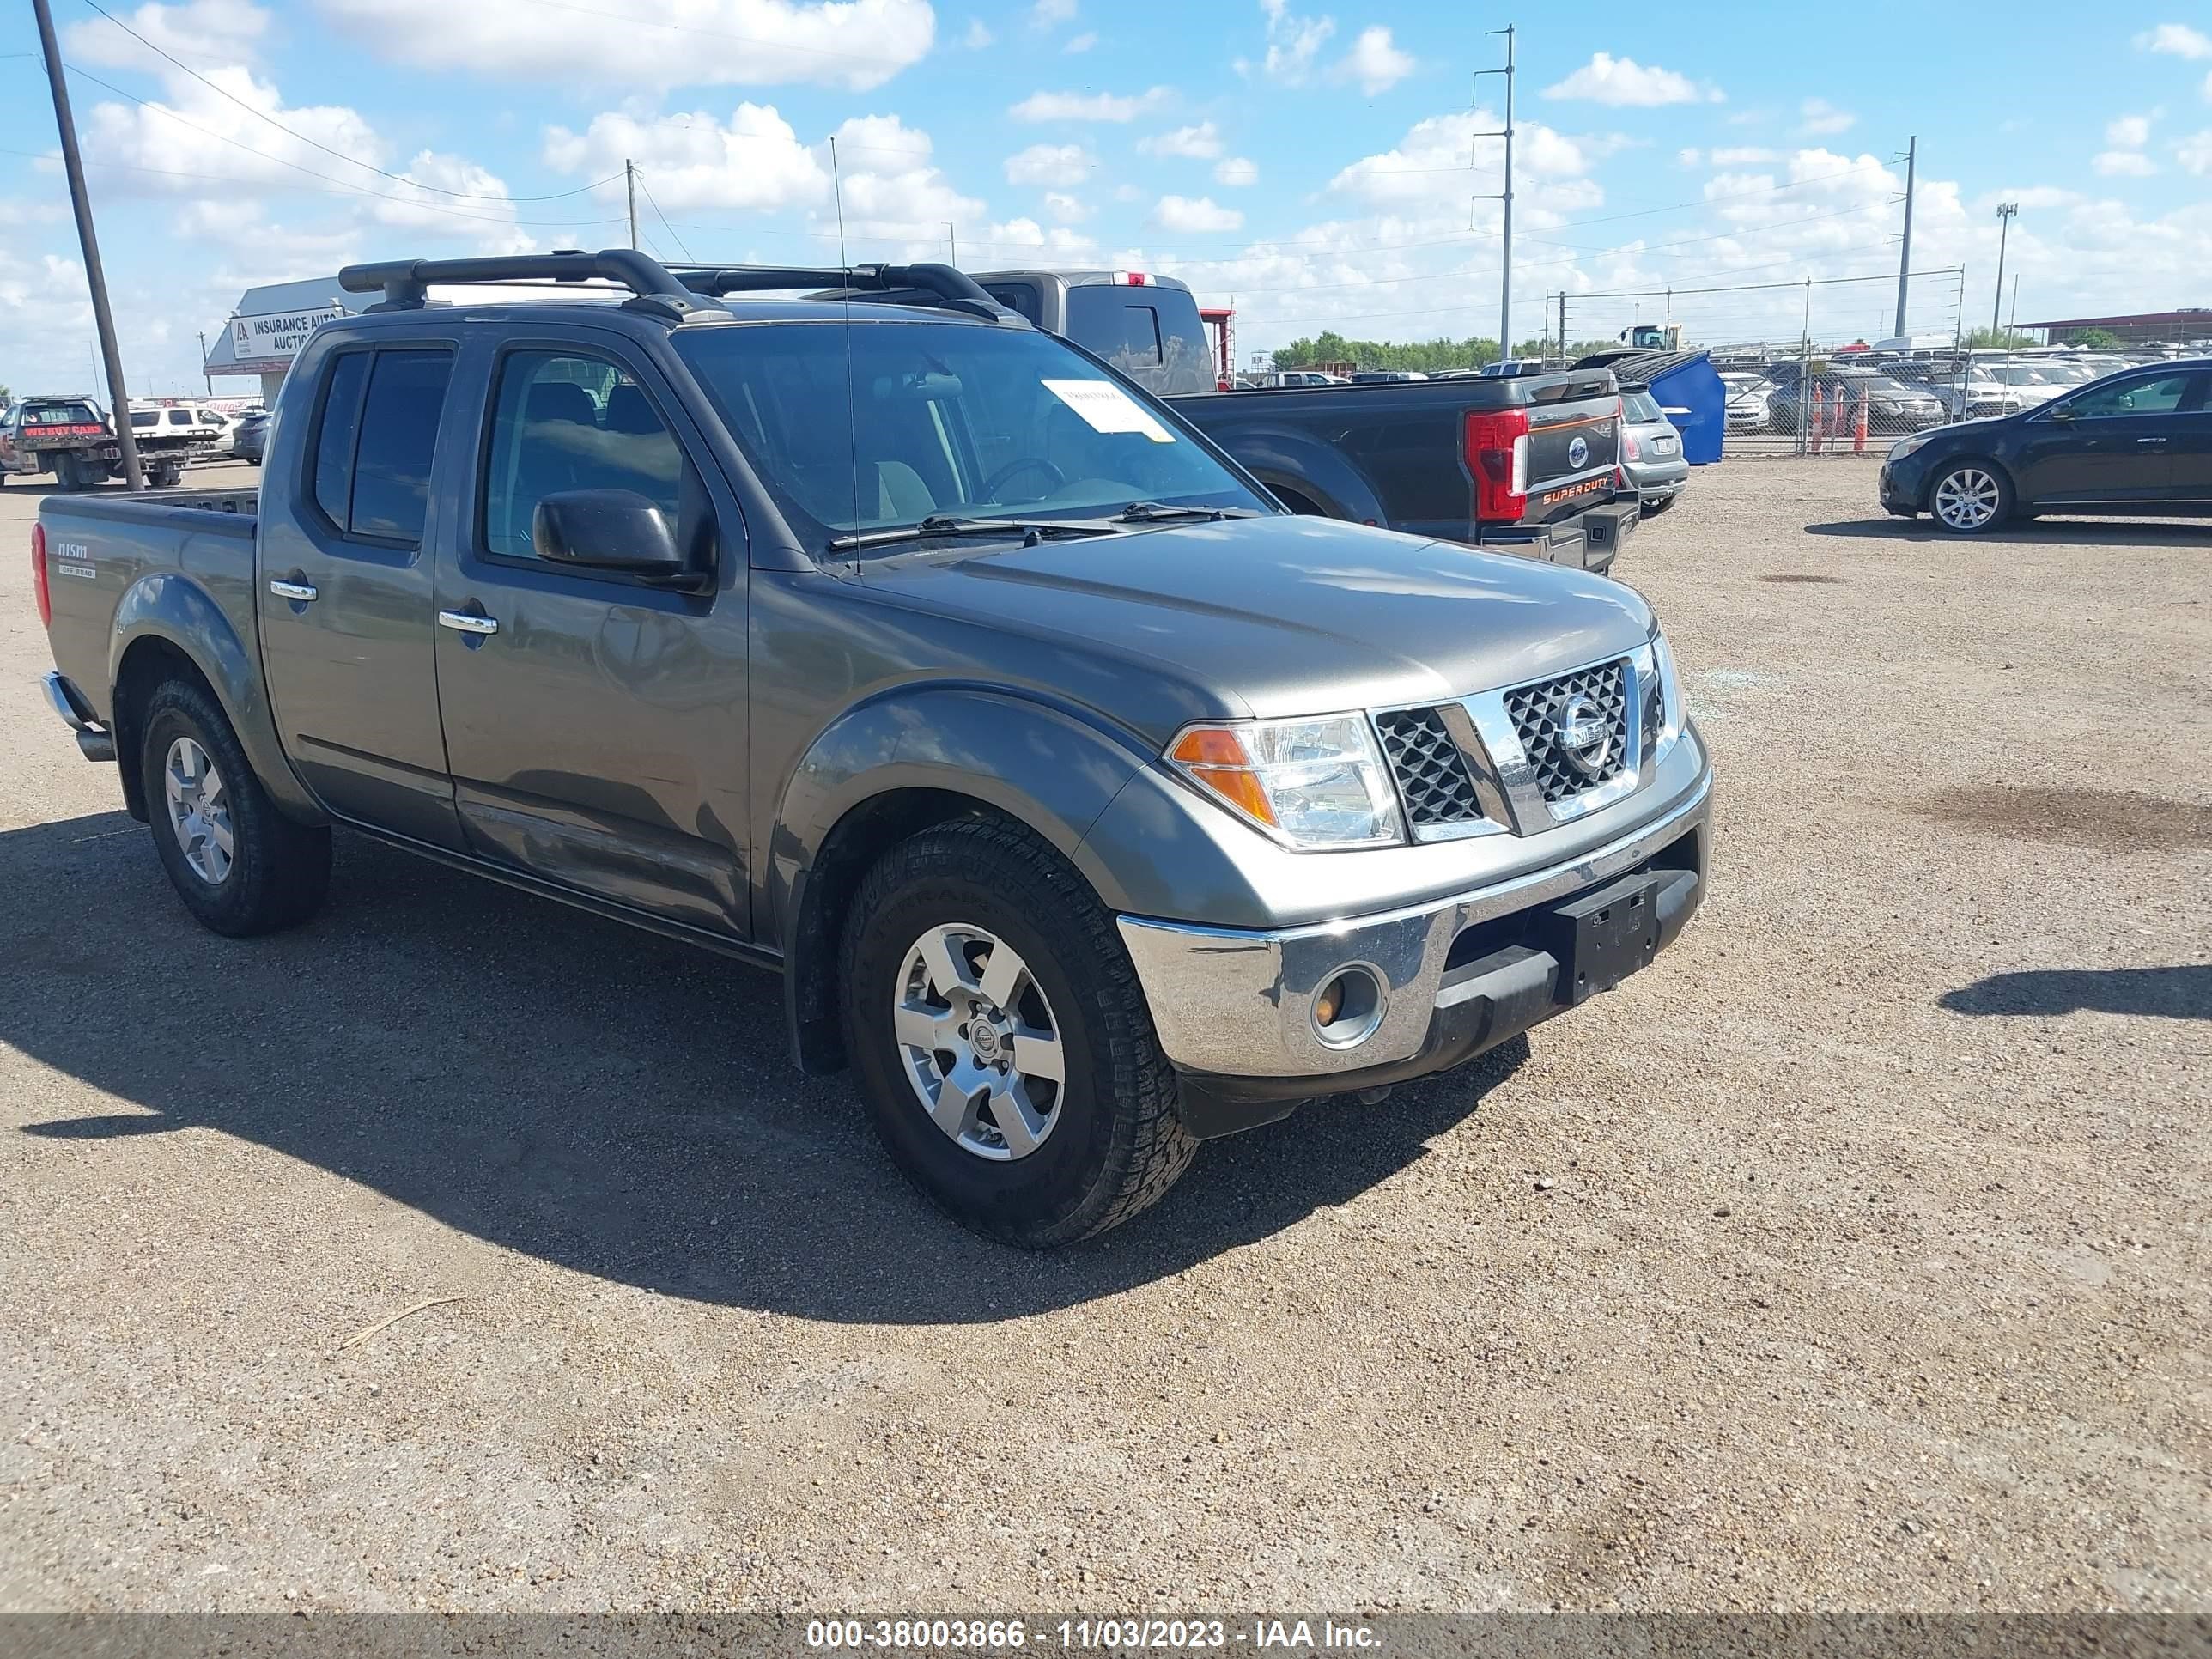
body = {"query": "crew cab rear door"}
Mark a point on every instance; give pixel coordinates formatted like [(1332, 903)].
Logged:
[(595, 721), (342, 585)]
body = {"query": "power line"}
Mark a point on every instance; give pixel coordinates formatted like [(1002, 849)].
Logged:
[(299, 137), (344, 184), (663, 218)]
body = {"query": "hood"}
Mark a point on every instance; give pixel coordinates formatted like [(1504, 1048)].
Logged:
[(1286, 616)]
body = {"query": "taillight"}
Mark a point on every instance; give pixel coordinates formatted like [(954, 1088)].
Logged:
[(1498, 456), (1629, 449), (39, 576)]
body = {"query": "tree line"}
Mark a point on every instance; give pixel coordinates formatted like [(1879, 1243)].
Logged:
[(1427, 356)]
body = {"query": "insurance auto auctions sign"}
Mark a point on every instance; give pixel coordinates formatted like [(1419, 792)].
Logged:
[(276, 337)]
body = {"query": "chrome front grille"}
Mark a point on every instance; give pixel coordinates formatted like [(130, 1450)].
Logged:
[(1593, 697), (1433, 779)]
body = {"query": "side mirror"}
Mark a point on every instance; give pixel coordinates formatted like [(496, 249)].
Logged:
[(616, 530), (2059, 412)]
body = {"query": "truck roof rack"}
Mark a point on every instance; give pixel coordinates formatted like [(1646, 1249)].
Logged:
[(405, 282), (922, 285)]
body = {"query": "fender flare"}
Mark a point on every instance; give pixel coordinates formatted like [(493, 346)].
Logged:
[(1319, 471), (170, 606), (1047, 764)]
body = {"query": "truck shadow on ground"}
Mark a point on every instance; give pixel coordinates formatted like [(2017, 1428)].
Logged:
[(571, 1088), (2181, 993), (2134, 532)]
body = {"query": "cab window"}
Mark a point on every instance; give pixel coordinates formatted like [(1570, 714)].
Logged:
[(2160, 396), (565, 422)]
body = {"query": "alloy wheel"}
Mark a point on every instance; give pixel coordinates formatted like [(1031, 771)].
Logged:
[(199, 811), (980, 1044), (1966, 499)]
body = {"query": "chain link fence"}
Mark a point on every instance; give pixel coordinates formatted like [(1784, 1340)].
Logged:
[(1815, 366)]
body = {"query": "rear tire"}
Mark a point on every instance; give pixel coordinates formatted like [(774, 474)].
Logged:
[(239, 866), (167, 478), (1108, 1143), (1658, 505), (65, 472)]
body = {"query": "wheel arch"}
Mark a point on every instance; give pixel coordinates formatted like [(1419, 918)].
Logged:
[(1988, 463), (892, 767), (168, 625)]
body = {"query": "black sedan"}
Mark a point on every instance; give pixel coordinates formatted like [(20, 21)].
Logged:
[(2139, 441), (250, 436)]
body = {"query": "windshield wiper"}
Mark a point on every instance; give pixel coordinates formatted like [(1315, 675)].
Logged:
[(945, 524), (1152, 512)]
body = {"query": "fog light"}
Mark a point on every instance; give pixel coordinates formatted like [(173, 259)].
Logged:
[(1349, 1006)]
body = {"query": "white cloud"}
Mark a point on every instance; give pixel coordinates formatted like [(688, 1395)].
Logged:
[(1065, 208), (1184, 213), (850, 44), (752, 160), (1028, 233), (2176, 40), (1050, 13), (2123, 164), (1819, 118), (1375, 63), (1088, 107), (1293, 42), (978, 36), (1050, 164), (1202, 143), (1625, 84), (2195, 154), (1237, 172), (1429, 166), (1742, 155), (1082, 42), (199, 32), (1127, 193), (2128, 131)]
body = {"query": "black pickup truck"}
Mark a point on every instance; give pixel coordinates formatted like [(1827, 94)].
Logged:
[(1523, 463)]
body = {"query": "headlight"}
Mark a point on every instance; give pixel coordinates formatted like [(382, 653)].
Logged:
[(1904, 447), (1672, 713), (1309, 783)]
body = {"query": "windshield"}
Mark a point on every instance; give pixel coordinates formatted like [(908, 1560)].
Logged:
[(943, 419)]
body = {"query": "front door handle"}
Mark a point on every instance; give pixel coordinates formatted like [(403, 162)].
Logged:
[(2150, 440), (468, 622), (302, 592)]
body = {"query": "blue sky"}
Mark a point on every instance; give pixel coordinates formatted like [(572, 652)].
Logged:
[(1314, 163)]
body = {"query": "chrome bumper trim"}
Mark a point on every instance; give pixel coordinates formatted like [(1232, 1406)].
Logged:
[(1235, 1002), (63, 698)]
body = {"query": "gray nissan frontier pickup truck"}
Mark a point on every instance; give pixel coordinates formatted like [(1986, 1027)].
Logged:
[(1090, 805)]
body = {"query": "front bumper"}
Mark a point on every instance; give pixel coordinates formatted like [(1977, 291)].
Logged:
[(1233, 1008)]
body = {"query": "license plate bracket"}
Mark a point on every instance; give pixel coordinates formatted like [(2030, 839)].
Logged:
[(1601, 937)]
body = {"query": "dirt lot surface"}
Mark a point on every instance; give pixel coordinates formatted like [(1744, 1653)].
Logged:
[(1853, 1256)]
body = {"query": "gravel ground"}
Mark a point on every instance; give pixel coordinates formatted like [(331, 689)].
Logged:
[(1877, 1208)]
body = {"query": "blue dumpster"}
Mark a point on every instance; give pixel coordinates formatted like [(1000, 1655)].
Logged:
[(1688, 388)]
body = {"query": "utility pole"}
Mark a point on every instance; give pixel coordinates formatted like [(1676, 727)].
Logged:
[(2012, 316), (1504, 198), (208, 379), (952, 241), (1563, 328), (2006, 212), (629, 183), (96, 275), (1905, 248)]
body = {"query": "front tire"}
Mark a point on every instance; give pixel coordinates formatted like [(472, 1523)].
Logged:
[(1970, 497), (240, 866), (1002, 1039), (1658, 505)]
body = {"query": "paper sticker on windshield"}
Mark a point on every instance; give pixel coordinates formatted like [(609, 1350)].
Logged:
[(1105, 407)]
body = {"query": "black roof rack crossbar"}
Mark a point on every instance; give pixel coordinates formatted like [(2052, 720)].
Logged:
[(405, 282), (943, 284)]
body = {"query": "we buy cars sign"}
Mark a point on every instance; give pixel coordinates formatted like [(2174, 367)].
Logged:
[(271, 340)]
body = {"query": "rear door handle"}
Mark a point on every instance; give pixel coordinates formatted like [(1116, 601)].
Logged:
[(2150, 440), (303, 591), (468, 622)]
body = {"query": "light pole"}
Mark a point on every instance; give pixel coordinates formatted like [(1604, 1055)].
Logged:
[(206, 379), (2006, 212), (1506, 201)]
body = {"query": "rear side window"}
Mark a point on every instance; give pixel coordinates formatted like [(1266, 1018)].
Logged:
[(1106, 321), (398, 439), (181, 418), (1017, 297), (335, 434), (565, 422), (376, 441)]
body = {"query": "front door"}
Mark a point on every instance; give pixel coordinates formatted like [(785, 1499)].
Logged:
[(344, 588), (596, 725), (2110, 445)]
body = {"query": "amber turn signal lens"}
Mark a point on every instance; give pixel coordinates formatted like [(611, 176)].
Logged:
[(1216, 757)]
